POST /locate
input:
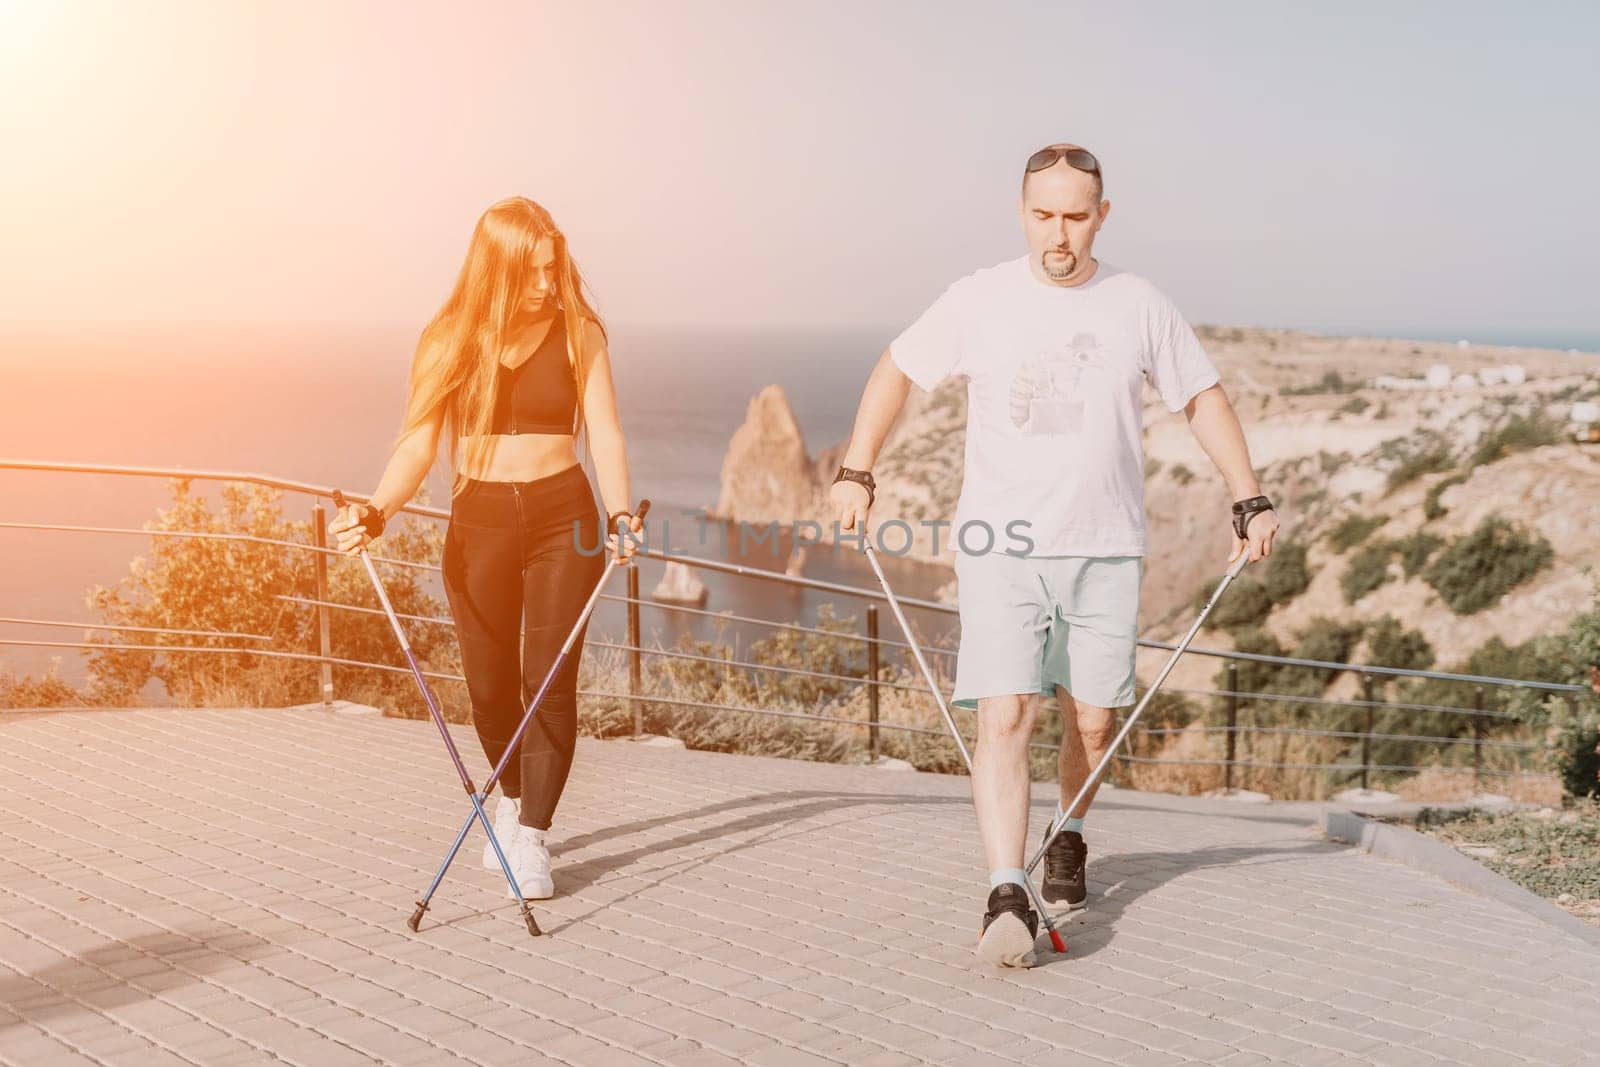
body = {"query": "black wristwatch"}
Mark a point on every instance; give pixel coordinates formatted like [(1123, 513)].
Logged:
[(1245, 510), (847, 474)]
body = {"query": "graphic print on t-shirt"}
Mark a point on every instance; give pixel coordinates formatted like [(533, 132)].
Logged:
[(1045, 395)]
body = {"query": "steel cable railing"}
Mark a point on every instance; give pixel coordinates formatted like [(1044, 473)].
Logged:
[(868, 676)]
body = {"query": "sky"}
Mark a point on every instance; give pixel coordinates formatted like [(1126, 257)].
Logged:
[(1421, 168)]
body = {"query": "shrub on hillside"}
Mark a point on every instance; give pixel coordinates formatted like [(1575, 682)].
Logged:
[(1367, 570), (1245, 603), (1254, 677), (1480, 568), (1327, 639), (1426, 452), (1415, 551), (1330, 382), (1390, 644), (1285, 575), (1352, 530), (1431, 507), (1516, 434)]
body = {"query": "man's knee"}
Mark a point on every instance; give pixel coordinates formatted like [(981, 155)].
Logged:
[(1095, 727), (1097, 735), (1005, 718)]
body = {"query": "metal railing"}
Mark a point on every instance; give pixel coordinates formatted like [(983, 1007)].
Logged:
[(1359, 763)]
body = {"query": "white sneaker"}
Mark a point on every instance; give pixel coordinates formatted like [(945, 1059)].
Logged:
[(505, 830), (530, 865)]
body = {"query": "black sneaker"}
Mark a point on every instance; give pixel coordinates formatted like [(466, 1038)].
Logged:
[(1064, 862), (1009, 928)]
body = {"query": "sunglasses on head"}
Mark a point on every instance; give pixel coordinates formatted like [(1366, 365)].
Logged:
[(1077, 158)]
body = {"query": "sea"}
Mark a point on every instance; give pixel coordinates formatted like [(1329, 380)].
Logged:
[(321, 403)]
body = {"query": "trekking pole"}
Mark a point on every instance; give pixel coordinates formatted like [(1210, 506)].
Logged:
[(949, 720), (444, 733), (514, 744), (1057, 824)]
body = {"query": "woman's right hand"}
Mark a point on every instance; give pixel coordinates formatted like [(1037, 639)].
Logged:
[(347, 533)]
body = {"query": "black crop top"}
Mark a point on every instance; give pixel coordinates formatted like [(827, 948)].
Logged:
[(540, 395)]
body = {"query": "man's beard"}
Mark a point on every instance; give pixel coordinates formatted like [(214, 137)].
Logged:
[(1065, 264)]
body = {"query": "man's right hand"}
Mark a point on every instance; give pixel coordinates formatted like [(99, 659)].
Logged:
[(848, 501)]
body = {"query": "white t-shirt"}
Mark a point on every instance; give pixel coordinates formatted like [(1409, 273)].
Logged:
[(1055, 377)]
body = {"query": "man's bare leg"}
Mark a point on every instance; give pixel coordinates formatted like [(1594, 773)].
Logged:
[(1000, 779), (1086, 733), (1000, 793)]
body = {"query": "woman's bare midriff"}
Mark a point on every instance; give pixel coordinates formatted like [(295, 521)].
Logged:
[(521, 457)]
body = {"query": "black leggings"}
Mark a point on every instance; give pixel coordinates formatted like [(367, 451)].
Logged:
[(512, 548)]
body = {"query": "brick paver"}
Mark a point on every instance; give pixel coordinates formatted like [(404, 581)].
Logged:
[(231, 886)]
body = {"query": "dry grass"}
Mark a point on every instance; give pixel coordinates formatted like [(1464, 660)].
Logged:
[(1443, 785)]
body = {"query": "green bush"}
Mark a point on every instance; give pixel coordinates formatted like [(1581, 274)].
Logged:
[(239, 586), (1352, 530), (1431, 508), (1327, 639), (1355, 406), (1480, 568), (1572, 720), (1285, 575), (1331, 382), (1367, 570), (1516, 434), (1389, 644), (1429, 454), (1415, 550), (1244, 604), (1254, 677)]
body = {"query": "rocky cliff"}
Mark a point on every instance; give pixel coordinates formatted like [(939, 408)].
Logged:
[(1326, 442)]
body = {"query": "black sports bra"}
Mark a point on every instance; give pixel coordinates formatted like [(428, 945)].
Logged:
[(541, 394)]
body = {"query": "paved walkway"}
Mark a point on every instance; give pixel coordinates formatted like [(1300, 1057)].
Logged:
[(222, 887)]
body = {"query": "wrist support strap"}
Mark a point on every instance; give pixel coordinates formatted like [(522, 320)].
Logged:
[(371, 520), (1245, 510), (862, 478)]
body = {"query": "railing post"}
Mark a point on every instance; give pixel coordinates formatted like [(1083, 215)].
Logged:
[(1233, 724), (872, 682), (319, 538), (1366, 733), (1477, 738), (633, 651)]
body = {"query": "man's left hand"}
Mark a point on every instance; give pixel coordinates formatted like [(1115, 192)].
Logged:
[(1262, 529)]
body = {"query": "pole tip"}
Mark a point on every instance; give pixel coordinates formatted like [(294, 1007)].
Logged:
[(1057, 943)]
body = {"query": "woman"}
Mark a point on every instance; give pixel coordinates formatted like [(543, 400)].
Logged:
[(512, 366)]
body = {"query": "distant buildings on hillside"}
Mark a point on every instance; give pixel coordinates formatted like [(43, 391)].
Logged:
[(1441, 376)]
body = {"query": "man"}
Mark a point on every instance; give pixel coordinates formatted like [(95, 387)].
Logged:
[(1056, 347)]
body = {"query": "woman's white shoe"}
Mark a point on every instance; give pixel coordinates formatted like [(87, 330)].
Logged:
[(505, 831), (530, 865)]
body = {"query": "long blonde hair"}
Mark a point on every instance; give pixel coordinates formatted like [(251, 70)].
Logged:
[(459, 352)]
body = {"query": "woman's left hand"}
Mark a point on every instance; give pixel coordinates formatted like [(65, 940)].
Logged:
[(623, 552)]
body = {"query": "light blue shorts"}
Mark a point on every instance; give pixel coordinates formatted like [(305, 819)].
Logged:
[(1031, 624)]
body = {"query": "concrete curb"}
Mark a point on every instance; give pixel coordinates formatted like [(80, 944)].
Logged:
[(1415, 849)]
